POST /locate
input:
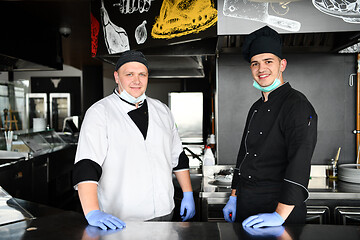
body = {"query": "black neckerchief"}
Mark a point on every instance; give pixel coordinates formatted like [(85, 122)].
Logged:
[(139, 115)]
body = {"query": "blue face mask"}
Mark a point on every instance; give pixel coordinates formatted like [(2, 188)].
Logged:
[(274, 85), (127, 97)]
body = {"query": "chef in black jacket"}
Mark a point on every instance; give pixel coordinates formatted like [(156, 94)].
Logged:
[(272, 172)]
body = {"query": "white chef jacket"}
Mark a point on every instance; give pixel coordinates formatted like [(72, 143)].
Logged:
[(136, 181)]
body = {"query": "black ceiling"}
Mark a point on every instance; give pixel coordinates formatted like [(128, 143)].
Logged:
[(50, 15)]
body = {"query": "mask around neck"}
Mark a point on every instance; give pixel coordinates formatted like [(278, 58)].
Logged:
[(274, 85), (127, 97)]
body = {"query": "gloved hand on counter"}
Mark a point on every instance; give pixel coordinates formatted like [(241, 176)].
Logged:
[(230, 208), (187, 208), (104, 220), (263, 220)]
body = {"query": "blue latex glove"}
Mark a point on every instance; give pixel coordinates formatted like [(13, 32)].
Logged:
[(266, 232), (264, 220), (187, 204), (104, 220), (230, 208)]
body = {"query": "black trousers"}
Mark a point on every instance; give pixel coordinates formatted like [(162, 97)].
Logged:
[(254, 198)]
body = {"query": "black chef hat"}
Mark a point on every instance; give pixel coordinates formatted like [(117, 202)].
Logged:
[(131, 56), (263, 40)]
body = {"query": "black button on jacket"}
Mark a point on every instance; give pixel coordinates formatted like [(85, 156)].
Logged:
[(278, 143)]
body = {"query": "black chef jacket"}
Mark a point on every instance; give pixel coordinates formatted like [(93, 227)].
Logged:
[(277, 144)]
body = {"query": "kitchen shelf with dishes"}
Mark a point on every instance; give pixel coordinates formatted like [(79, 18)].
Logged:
[(331, 200)]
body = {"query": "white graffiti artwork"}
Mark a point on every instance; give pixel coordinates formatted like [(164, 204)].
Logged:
[(280, 8), (352, 49), (116, 38), (130, 6), (258, 11), (141, 33), (348, 10)]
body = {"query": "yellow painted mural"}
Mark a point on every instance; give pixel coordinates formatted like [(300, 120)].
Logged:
[(182, 17)]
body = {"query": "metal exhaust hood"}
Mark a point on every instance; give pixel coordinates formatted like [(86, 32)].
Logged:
[(181, 60), (13, 64)]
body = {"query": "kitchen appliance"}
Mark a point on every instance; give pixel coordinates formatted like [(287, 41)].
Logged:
[(60, 109), (36, 107), (187, 109)]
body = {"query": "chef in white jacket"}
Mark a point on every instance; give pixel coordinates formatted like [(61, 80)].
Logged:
[(127, 151)]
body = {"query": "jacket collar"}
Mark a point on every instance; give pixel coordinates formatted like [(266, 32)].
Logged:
[(278, 91)]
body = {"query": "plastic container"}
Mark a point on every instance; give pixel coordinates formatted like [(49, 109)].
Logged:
[(209, 159)]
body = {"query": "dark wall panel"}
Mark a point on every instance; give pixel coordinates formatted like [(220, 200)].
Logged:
[(323, 78), (92, 85)]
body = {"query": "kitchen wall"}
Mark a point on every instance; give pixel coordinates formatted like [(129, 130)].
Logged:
[(323, 78)]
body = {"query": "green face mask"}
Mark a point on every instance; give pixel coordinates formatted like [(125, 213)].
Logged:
[(274, 85)]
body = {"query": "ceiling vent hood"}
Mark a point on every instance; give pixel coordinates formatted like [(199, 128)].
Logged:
[(13, 64), (322, 42), (180, 60)]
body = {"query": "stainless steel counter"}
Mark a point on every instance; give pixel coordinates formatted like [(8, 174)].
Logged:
[(50, 223), (71, 226)]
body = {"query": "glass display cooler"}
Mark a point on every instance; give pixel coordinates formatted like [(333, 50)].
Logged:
[(37, 143), (41, 113), (10, 210)]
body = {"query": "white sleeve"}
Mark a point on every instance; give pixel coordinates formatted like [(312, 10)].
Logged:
[(93, 142)]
